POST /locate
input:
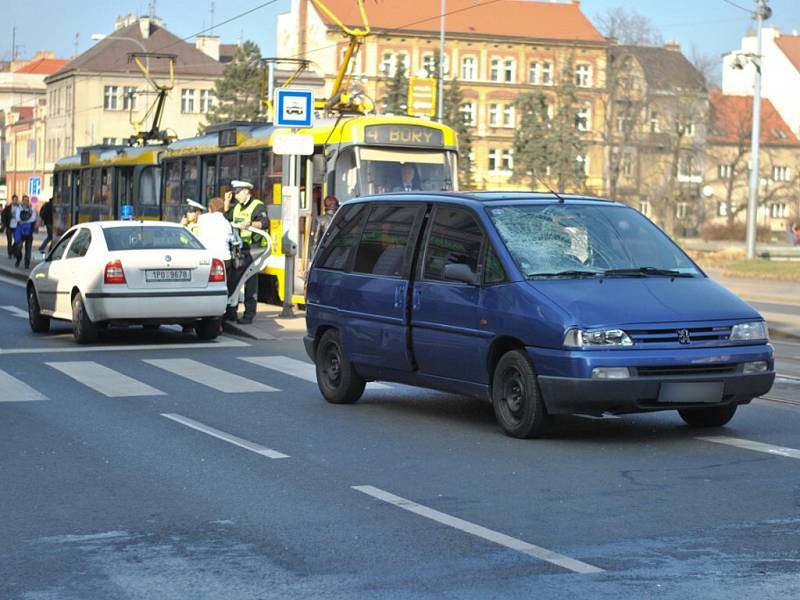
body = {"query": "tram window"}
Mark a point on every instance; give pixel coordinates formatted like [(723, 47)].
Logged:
[(95, 192), (346, 176), (86, 186), (248, 168), (269, 164), (172, 191), (105, 186), (381, 170), (190, 182), (228, 167), (209, 176), (148, 186)]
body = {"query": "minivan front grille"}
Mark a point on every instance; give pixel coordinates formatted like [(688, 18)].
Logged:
[(664, 371), (680, 335)]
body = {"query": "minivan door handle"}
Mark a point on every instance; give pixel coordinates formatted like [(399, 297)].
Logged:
[(417, 299), (398, 296)]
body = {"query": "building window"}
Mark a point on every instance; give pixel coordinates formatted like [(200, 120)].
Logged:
[(582, 165), (494, 159), (109, 141), (187, 101), (494, 71), (780, 173), (129, 98), (777, 210), (468, 68), (644, 208), (682, 210), (494, 115), (688, 129), (653, 122), (533, 73), (583, 75), (725, 171), (468, 112), (429, 65), (508, 115), (583, 119), (722, 209), (547, 73), (627, 165), (508, 71), (110, 93), (688, 170), (387, 65), (508, 160), (68, 99), (206, 101)]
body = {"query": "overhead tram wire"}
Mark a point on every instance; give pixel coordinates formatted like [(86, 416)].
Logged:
[(739, 6)]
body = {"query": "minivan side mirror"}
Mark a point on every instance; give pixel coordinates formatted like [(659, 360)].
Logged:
[(459, 272)]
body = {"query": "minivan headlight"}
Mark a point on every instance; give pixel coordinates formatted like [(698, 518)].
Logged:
[(754, 330), (581, 338)]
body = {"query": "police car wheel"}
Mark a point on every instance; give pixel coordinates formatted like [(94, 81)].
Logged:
[(83, 330), (39, 323), (208, 329), (336, 377), (518, 406)]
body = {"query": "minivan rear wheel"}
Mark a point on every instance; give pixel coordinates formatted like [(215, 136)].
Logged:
[(712, 416), (336, 377), (517, 403)]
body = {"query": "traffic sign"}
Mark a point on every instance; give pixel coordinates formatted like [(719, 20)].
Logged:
[(293, 143), (422, 96), (34, 186), (294, 108)]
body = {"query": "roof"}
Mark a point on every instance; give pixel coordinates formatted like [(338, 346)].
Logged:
[(512, 18), (732, 118), (790, 44), (665, 69), (110, 55), (43, 66)]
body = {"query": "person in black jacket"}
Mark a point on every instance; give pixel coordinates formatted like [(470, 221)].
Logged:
[(46, 215), (7, 215)]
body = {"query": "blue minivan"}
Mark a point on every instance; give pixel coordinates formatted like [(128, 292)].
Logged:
[(543, 304)]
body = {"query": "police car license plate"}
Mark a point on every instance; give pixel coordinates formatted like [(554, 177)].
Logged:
[(167, 275)]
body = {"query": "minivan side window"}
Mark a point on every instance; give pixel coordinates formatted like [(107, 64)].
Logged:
[(342, 237), (386, 240), (455, 238), (493, 271)]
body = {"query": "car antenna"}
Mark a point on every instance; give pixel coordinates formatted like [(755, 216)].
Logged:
[(549, 189)]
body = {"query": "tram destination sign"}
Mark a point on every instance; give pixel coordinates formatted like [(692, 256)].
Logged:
[(404, 135)]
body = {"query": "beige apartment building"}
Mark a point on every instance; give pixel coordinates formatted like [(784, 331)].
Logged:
[(95, 98), (496, 51)]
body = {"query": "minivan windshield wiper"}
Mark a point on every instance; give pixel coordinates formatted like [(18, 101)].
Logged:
[(564, 274), (646, 271)]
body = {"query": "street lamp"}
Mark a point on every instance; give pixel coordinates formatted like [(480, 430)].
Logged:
[(762, 13)]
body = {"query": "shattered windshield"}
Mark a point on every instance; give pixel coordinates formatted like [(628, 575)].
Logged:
[(563, 240)]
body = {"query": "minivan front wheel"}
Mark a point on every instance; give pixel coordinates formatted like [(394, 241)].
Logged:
[(712, 416), (336, 377), (517, 403)]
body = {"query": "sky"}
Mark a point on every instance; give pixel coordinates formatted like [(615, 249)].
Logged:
[(709, 27)]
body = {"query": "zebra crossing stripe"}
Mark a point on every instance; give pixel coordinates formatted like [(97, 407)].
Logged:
[(14, 390), (295, 368), (104, 380), (212, 377)]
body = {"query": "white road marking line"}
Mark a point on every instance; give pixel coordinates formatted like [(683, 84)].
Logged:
[(226, 437), (755, 446), (104, 380), (11, 281), (14, 390), (781, 378), (16, 311), (224, 343), (215, 378), (481, 532), (296, 368)]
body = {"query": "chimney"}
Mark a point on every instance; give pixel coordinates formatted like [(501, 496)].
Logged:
[(144, 27), (121, 22), (673, 45), (208, 45)]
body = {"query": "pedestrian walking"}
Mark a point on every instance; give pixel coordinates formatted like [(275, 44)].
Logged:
[(248, 212), (216, 234), (46, 216), (6, 218), (23, 221)]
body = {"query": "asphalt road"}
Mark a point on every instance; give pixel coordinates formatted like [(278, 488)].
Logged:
[(143, 468)]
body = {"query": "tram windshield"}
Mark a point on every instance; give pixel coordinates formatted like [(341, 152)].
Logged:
[(362, 171)]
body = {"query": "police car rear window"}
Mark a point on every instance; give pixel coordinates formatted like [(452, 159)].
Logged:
[(150, 238)]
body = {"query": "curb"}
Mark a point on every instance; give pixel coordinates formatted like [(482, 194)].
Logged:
[(232, 328), (13, 273)]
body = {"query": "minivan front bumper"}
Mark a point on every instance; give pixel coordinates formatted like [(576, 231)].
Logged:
[(658, 379)]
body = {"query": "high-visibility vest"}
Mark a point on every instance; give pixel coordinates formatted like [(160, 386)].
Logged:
[(242, 214)]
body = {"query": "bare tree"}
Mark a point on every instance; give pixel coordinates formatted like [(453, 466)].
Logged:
[(709, 65), (629, 27)]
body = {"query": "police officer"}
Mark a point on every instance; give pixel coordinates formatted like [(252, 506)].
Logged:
[(248, 212)]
